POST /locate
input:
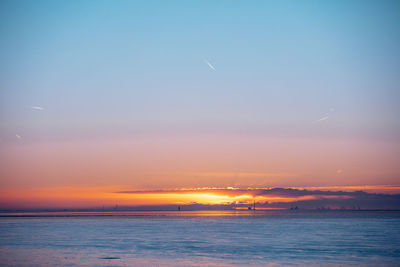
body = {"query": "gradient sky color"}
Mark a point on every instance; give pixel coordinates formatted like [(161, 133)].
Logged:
[(131, 95)]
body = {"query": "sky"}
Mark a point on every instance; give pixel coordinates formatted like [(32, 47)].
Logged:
[(98, 97)]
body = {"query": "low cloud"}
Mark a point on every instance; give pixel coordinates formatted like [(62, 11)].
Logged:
[(285, 198)]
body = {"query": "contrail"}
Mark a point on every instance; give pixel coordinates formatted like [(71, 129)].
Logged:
[(37, 108), (209, 64), (322, 119), (331, 110)]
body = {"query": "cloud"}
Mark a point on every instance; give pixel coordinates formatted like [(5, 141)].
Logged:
[(37, 108), (18, 136), (277, 198), (391, 189)]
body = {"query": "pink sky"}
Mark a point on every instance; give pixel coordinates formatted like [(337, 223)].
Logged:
[(153, 162)]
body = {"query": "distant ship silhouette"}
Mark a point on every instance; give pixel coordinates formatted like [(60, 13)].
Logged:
[(254, 206)]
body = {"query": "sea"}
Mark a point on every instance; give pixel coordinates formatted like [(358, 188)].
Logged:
[(201, 238)]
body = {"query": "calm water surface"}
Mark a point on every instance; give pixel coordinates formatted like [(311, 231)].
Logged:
[(200, 239)]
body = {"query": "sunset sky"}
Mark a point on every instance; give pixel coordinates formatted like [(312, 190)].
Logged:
[(103, 97)]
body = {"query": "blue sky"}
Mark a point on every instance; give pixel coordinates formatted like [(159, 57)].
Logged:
[(129, 66)]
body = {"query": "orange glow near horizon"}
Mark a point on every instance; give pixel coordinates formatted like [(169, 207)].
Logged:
[(192, 161), (87, 197), (187, 169)]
